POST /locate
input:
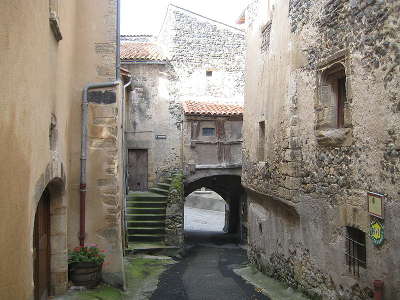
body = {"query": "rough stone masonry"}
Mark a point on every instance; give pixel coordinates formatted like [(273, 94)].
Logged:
[(309, 161)]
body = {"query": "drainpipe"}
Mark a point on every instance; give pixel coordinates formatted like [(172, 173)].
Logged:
[(118, 42), (378, 289), (124, 150), (84, 138)]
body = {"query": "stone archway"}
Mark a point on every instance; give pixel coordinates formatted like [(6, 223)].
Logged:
[(228, 187), (50, 260), (50, 188)]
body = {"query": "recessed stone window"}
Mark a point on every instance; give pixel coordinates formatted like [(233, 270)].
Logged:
[(356, 253), (55, 19), (332, 109), (209, 73)]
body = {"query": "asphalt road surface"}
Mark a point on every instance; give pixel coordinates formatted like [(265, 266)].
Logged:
[(206, 271)]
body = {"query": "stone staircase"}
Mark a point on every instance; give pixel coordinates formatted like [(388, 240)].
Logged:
[(145, 216)]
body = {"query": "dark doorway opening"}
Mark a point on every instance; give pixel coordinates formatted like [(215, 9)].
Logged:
[(41, 248), (137, 169)]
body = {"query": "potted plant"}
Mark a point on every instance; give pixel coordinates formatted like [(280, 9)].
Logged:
[(85, 264)]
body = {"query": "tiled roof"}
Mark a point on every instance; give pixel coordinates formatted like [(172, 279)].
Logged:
[(141, 52), (213, 109)]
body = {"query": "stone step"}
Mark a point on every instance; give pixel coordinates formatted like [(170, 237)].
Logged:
[(145, 217), (146, 230), (145, 196), (164, 186), (137, 237), (145, 210), (159, 191), (146, 223), (167, 179), (143, 203)]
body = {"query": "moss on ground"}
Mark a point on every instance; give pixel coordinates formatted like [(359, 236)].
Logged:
[(142, 273), (102, 293)]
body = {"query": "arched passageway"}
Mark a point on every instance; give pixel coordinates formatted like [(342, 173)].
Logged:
[(230, 189), (205, 210)]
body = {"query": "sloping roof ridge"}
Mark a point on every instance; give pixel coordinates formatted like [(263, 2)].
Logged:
[(199, 15)]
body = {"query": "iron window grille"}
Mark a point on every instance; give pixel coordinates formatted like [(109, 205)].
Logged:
[(356, 254)]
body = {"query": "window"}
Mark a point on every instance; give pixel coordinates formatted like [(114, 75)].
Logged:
[(332, 97), (261, 141), (356, 254), (209, 73), (206, 131)]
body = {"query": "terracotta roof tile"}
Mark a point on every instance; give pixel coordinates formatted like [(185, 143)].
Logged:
[(214, 109), (141, 51)]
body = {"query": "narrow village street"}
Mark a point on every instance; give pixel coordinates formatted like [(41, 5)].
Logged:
[(200, 150), (207, 272)]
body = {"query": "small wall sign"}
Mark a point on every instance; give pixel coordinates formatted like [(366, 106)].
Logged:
[(375, 204), (376, 232), (161, 137)]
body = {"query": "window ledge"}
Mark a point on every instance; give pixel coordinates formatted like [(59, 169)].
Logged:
[(334, 137), (55, 26)]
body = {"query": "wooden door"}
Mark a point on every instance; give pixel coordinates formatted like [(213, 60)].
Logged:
[(41, 248), (137, 169)]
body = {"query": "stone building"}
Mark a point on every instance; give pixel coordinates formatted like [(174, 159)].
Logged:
[(194, 58), (51, 51), (322, 130), (212, 146), (149, 128)]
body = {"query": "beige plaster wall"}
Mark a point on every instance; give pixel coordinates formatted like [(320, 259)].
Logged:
[(41, 77)]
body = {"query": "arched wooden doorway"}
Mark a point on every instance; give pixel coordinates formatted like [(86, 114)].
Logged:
[(41, 247)]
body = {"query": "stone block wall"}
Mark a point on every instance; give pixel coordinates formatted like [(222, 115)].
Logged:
[(104, 180), (310, 184), (174, 219), (196, 44)]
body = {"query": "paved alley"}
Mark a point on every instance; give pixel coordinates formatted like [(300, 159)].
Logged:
[(206, 272)]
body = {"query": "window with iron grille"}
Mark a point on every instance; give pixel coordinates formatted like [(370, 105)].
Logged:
[(356, 253)]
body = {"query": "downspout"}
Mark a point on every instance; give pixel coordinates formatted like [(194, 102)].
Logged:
[(124, 155), (118, 42), (84, 140)]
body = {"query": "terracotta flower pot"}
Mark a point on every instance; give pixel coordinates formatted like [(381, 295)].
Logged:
[(85, 274)]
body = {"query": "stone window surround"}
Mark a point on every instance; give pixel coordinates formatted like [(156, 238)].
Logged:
[(331, 135)]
